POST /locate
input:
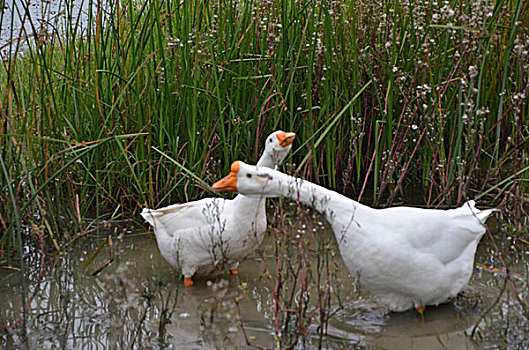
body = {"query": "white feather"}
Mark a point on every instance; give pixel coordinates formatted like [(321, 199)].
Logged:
[(194, 237), (407, 257)]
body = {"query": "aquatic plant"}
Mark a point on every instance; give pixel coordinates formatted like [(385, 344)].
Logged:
[(133, 102), (299, 278), (85, 106)]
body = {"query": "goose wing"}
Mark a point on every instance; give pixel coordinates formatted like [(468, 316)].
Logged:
[(204, 212), (441, 234)]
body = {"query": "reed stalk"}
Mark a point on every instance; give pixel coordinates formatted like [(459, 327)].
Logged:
[(104, 114)]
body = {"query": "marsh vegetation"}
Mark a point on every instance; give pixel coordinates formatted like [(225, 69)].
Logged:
[(145, 103)]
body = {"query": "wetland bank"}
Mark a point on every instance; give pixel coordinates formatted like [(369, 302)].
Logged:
[(144, 104)]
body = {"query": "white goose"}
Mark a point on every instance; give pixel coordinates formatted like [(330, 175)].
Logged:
[(407, 257), (196, 236)]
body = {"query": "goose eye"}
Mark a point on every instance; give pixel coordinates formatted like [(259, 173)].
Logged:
[(249, 176), (269, 140)]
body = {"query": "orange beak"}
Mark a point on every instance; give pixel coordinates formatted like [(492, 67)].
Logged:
[(228, 183), (285, 138)]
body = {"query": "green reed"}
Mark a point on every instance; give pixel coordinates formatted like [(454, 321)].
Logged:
[(131, 107)]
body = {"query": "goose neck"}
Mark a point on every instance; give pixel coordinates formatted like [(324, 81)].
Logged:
[(266, 161), (308, 193)]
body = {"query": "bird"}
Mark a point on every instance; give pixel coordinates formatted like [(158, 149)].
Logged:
[(407, 257), (195, 237)]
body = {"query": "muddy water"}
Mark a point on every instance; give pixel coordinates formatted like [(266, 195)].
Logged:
[(125, 305)]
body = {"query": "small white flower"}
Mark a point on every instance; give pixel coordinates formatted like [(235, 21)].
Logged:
[(482, 111), (472, 72)]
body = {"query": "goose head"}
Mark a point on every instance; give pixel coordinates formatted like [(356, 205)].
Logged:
[(253, 181), (277, 146)]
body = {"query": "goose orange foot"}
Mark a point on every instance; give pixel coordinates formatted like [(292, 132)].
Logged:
[(188, 282), (420, 311), (234, 272)]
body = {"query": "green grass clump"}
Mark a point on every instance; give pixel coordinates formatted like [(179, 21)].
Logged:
[(383, 96)]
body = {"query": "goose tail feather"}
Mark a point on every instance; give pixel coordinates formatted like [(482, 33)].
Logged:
[(147, 215), (467, 214), (482, 215)]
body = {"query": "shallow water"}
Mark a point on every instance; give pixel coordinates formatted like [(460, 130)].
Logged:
[(124, 304), (24, 20)]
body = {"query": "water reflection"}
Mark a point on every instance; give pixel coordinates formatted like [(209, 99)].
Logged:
[(126, 304)]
